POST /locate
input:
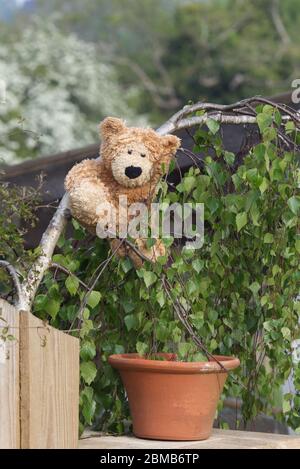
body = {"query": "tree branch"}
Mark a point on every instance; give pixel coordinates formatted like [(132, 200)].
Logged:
[(224, 113), (57, 266), (237, 113), (278, 23), (162, 95), (14, 275), (46, 247)]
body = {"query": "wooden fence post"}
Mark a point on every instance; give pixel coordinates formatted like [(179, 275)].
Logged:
[(39, 387), (9, 380)]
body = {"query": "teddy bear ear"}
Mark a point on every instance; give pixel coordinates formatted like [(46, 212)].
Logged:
[(171, 143), (111, 126)]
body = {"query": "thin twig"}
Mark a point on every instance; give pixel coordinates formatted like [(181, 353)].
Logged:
[(68, 272), (14, 275), (182, 316), (136, 250), (91, 288)]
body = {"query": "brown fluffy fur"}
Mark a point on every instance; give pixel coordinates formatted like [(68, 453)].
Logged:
[(92, 182)]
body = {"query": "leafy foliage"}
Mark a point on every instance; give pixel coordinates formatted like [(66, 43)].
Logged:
[(17, 215), (239, 290), (216, 50), (228, 49)]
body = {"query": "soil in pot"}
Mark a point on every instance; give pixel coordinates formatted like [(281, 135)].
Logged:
[(172, 400)]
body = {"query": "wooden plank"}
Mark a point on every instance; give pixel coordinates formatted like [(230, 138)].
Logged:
[(9, 380), (220, 439), (49, 374)]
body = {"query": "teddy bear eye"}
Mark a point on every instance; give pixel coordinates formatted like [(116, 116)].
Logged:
[(143, 155), (129, 152)]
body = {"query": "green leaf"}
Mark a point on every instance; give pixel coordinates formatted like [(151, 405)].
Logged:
[(66, 261), (277, 117), (253, 177), (149, 278), (255, 214), (286, 407), (52, 307), (130, 321), (60, 259), (229, 157), (264, 185), (297, 245), (241, 220), (141, 348), (285, 331), (72, 284), (254, 287), (204, 181), (189, 182), (162, 331), (88, 410), (184, 348), (290, 127), (87, 350), (268, 109), (118, 348), (213, 125), (60, 243), (88, 404), (150, 242), (86, 327), (275, 270), (213, 344), (198, 265), (128, 305), (40, 302), (126, 265), (267, 326), (259, 151), (75, 224), (264, 300), (213, 204), (268, 238), (250, 198), (264, 121), (88, 371), (294, 204), (160, 297), (94, 298)]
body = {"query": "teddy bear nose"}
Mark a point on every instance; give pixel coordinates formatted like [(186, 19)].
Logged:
[(133, 172)]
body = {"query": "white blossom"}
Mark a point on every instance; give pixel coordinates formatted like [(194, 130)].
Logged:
[(57, 91)]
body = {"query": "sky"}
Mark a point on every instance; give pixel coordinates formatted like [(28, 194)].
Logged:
[(20, 2)]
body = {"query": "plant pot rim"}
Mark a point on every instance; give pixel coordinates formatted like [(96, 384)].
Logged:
[(134, 362)]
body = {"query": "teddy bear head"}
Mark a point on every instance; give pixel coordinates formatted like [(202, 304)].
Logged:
[(135, 155)]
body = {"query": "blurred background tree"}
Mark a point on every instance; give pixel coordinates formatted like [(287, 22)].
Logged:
[(57, 90), (157, 55)]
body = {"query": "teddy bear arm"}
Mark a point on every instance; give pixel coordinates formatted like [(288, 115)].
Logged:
[(89, 201), (86, 170)]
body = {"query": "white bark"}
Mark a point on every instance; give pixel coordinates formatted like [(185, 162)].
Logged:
[(47, 245), (189, 122)]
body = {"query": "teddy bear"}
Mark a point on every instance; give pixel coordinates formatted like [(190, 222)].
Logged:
[(132, 161)]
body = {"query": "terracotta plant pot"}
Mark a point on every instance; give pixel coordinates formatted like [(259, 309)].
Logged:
[(172, 400)]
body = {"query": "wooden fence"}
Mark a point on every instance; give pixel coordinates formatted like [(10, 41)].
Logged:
[(39, 383)]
